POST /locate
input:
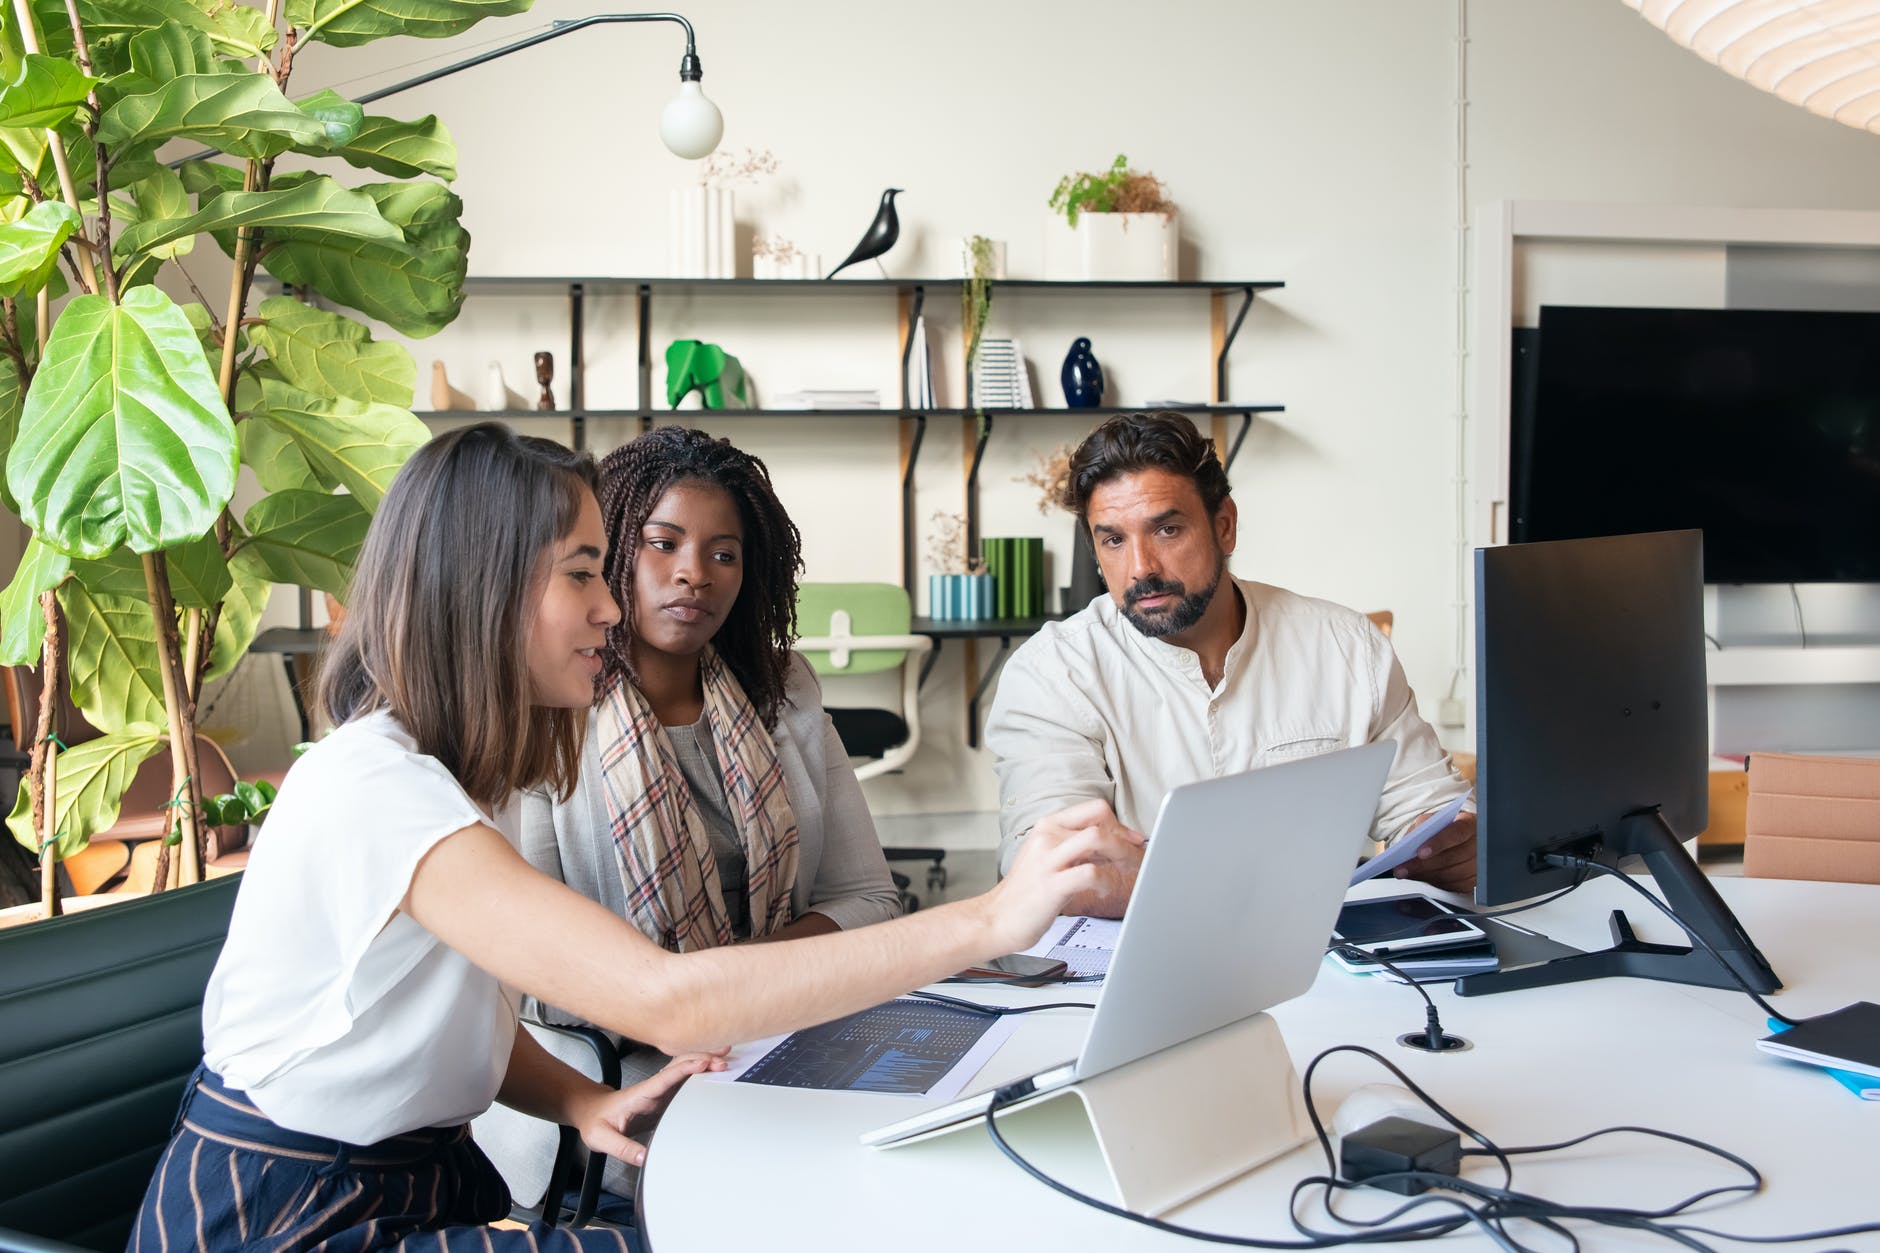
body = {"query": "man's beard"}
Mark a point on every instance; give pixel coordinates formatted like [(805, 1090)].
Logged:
[(1186, 612)]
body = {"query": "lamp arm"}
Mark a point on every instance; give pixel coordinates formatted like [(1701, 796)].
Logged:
[(689, 70)]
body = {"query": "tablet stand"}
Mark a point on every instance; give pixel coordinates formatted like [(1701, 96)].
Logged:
[(1174, 1124)]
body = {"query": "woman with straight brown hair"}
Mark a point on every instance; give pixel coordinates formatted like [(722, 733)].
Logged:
[(363, 1008)]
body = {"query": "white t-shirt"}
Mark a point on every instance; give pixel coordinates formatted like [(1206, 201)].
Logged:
[(339, 1015)]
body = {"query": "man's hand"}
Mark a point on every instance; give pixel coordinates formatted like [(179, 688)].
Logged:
[(1447, 861), (1116, 874), (608, 1121)]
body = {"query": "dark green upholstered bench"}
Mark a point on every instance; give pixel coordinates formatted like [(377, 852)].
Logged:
[(100, 1026)]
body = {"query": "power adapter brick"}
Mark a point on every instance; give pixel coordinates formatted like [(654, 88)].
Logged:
[(1392, 1146)]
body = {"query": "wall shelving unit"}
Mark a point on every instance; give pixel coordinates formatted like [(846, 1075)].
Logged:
[(978, 424)]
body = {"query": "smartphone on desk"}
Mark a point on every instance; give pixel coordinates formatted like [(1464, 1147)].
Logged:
[(1017, 968), (1412, 923)]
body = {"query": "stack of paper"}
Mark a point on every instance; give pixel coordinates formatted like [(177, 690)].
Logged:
[(829, 398)]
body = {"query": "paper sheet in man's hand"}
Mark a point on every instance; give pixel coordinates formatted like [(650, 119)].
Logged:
[(1407, 845)]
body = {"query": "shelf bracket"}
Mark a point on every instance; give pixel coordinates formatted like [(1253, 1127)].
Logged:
[(1220, 362), (907, 507), (985, 681), (1240, 437), (577, 391), (984, 421), (646, 357), (907, 342)]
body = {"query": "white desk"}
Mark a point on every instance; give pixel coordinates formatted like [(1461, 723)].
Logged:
[(746, 1166)]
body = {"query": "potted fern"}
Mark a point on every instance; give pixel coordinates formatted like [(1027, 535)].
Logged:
[(1118, 224), (126, 414)]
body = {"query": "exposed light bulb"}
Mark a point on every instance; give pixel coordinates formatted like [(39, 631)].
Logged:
[(690, 124)]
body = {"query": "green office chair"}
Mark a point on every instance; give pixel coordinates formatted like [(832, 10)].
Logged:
[(863, 628)]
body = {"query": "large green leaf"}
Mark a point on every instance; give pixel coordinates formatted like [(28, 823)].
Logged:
[(328, 354), (318, 205), (88, 791), (403, 149), (310, 539), (241, 615), (277, 461), (242, 114), (360, 445), (22, 621), (154, 201), (338, 116), (124, 438), (198, 574), (42, 91), (237, 30), (347, 23), (112, 651), (173, 50), (12, 396), (29, 248), (416, 288)]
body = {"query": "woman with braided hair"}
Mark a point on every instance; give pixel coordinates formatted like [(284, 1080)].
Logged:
[(715, 803)]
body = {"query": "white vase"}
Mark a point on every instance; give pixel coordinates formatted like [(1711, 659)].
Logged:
[(996, 258), (702, 232), (495, 388), (1127, 246)]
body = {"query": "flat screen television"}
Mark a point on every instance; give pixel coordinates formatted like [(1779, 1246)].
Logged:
[(1761, 428)]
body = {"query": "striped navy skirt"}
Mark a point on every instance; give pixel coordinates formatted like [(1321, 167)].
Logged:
[(231, 1179)]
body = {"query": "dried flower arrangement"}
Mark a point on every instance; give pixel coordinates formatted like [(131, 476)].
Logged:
[(1118, 189), (725, 168), (778, 249), (1052, 478), (946, 549)]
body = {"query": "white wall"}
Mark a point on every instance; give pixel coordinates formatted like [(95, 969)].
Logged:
[(1309, 142)]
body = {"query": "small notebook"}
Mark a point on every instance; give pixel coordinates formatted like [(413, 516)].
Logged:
[(1847, 1039), (1866, 1087)]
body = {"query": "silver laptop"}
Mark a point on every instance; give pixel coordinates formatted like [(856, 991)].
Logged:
[(1232, 912)]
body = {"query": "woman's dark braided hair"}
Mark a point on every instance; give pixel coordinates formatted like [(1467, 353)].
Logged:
[(757, 634)]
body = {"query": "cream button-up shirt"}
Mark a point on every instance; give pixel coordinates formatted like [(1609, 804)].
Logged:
[(1091, 707)]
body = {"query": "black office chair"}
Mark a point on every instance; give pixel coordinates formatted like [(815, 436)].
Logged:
[(863, 628), (103, 1013)]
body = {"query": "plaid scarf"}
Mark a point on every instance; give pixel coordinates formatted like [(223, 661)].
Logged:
[(660, 843)]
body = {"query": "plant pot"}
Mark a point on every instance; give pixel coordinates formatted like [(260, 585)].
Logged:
[(1127, 246), (1112, 246), (956, 597)]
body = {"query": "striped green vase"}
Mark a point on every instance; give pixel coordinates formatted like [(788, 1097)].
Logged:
[(1017, 566)]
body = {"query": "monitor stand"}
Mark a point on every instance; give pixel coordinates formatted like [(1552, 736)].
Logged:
[(1646, 834)]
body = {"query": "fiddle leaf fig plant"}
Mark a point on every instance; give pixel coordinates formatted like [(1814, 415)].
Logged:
[(126, 414)]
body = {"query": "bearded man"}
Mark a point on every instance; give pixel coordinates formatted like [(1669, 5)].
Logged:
[(1182, 672)]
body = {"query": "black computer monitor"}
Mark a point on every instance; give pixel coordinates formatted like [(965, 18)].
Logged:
[(1592, 741)]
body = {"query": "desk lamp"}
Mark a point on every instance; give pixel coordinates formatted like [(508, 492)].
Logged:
[(690, 125)]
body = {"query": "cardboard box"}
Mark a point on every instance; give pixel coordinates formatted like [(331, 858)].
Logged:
[(1729, 806), (1813, 818)]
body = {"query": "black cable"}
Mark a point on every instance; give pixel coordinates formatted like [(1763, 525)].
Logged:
[(1433, 1040), (998, 1011), (1497, 1207), (1587, 864), (1799, 624)]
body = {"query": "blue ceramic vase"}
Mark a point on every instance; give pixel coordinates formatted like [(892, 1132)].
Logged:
[(1082, 377)]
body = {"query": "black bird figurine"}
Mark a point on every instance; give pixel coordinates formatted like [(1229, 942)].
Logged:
[(881, 233)]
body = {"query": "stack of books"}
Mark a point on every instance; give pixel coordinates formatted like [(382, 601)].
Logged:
[(999, 377), (829, 398)]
